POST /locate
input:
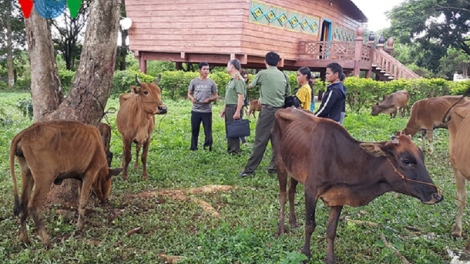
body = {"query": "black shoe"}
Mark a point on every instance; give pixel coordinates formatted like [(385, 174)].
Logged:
[(246, 174), (272, 171)]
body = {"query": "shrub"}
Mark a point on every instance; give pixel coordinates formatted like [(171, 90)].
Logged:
[(26, 107), (66, 79)]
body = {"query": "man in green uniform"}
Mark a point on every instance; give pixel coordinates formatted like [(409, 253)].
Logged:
[(234, 97), (274, 85)]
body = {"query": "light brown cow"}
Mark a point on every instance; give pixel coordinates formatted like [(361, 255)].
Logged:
[(105, 131), (49, 152), (459, 152), (333, 166), (427, 115), (393, 103), (254, 106), (136, 120)]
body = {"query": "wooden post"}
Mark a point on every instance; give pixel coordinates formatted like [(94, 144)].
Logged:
[(179, 66), (358, 51), (390, 46), (142, 64), (371, 44)]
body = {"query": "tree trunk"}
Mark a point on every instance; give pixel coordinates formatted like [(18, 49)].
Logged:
[(11, 76), (91, 86), (46, 91)]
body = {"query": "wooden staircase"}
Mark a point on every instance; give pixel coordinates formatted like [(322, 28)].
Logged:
[(387, 68)]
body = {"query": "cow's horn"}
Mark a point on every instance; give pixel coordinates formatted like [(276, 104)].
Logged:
[(137, 80), (157, 80)]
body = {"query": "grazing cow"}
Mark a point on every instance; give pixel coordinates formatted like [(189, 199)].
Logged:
[(459, 152), (136, 120), (333, 166), (397, 101), (49, 152), (427, 115), (105, 131), (254, 106)]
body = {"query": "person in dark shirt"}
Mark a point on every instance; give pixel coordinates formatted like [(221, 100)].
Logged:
[(343, 111), (335, 96)]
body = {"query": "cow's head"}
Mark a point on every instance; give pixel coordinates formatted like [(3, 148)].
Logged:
[(404, 168), (150, 96), (102, 186), (375, 109)]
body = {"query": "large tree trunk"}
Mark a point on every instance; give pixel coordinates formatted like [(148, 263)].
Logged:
[(91, 86), (46, 91), (11, 76)]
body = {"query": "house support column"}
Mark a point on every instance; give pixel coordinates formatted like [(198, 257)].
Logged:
[(142, 63), (358, 51), (371, 44)]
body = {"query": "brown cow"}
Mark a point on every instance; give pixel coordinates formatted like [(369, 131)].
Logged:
[(459, 152), (254, 106), (136, 120), (105, 131), (49, 152), (391, 104), (333, 166), (427, 115)]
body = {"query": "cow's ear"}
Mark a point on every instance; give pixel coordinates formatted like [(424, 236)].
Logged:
[(135, 89), (114, 172), (157, 81), (374, 149)]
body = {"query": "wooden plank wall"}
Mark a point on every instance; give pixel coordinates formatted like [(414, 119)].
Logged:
[(222, 27), (203, 26), (259, 39)]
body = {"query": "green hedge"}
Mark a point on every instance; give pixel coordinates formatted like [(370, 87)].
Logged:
[(363, 93)]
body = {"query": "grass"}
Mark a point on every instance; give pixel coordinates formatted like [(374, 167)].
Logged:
[(244, 230)]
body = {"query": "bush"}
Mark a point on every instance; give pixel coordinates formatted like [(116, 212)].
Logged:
[(365, 92), (123, 80), (26, 107), (66, 79)]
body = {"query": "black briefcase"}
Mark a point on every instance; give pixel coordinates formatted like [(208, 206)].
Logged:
[(238, 128)]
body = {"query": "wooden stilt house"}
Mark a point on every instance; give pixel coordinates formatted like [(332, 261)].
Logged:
[(309, 33)]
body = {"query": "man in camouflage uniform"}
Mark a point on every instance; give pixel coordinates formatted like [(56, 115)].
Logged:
[(274, 85), (234, 100)]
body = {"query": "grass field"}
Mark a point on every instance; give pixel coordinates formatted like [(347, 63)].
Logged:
[(232, 222)]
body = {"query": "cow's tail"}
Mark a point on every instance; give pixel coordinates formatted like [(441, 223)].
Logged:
[(14, 144)]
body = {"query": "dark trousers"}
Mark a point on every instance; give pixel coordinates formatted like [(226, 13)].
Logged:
[(262, 136), (196, 119), (233, 144)]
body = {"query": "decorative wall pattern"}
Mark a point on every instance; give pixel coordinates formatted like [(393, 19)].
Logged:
[(343, 34), (269, 15)]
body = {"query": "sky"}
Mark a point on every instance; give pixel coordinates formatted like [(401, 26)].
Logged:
[(375, 10)]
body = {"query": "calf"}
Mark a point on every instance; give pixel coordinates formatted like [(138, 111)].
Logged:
[(391, 104), (254, 106), (333, 166), (427, 114), (49, 152), (136, 120)]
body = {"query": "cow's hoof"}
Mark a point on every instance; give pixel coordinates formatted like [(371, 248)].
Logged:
[(280, 231), (124, 177), (294, 225), (456, 233), (24, 238)]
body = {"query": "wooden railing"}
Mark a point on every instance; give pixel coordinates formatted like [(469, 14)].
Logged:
[(333, 50), (389, 65), (367, 58)]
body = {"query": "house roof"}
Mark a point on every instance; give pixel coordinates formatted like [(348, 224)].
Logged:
[(351, 8)]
